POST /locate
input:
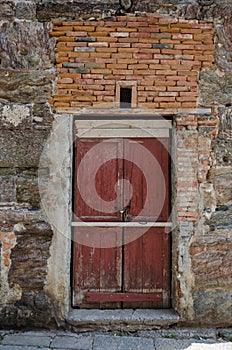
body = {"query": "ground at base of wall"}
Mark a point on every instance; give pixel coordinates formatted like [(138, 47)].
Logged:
[(163, 339)]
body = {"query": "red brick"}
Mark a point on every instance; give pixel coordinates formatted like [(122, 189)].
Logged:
[(138, 66), (140, 35), (115, 24), (128, 61), (63, 28), (166, 72), (105, 60), (76, 34), (65, 81), (100, 55), (117, 66), (171, 52), (140, 45), (182, 36), (86, 28), (124, 72), (122, 55), (98, 44), (107, 39), (129, 50), (175, 77), (164, 99), (128, 40), (127, 29), (165, 83), (103, 71), (136, 24), (170, 105), (104, 29), (77, 23), (120, 45), (205, 58), (62, 59), (142, 55), (56, 34), (66, 39)]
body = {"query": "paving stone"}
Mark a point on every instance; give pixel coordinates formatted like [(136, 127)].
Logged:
[(40, 333), (10, 347), (72, 342), (122, 343), (26, 340), (173, 344)]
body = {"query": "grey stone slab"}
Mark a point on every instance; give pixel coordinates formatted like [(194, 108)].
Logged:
[(110, 319), (78, 317), (26, 340), (10, 347), (41, 333), (122, 343), (72, 342), (187, 333), (173, 344), (155, 317)]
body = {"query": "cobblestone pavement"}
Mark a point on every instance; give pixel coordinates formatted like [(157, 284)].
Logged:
[(164, 339)]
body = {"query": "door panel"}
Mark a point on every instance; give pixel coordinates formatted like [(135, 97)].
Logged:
[(96, 269), (135, 271), (145, 260), (105, 181), (151, 181)]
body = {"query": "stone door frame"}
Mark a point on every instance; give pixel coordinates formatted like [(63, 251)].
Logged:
[(59, 265)]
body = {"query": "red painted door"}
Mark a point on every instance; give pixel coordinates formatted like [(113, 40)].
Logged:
[(122, 257)]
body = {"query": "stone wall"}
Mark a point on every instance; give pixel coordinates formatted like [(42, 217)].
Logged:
[(202, 260)]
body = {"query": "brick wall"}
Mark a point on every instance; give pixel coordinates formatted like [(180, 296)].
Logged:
[(162, 55)]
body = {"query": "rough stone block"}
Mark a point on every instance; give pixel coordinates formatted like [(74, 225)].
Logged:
[(29, 256), (25, 10), (21, 148), (7, 185), (14, 114), (25, 44), (213, 306), (7, 9), (26, 86), (215, 88), (27, 190)]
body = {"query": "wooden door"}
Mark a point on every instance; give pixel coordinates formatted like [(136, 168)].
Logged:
[(116, 262)]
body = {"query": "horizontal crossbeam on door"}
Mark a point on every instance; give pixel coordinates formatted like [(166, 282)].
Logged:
[(121, 224), (126, 133), (93, 297)]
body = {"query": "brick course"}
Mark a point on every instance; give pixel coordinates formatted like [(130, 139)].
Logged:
[(152, 50)]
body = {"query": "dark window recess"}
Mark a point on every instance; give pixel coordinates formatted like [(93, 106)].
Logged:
[(125, 97)]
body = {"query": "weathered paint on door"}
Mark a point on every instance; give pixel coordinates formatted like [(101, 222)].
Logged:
[(133, 271)]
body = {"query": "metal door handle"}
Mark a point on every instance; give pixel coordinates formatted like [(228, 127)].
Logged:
[(122, 211)]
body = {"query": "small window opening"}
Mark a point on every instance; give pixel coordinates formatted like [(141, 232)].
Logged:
[(125, 97)]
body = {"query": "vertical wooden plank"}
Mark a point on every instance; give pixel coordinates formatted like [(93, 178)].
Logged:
[(144, 262), (97, 269), (146, 259), (158, 168)]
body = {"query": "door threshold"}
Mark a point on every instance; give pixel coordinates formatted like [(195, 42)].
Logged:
[(128, 319)]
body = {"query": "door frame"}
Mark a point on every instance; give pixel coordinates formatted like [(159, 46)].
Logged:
[(132, 126), (58, 279)]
